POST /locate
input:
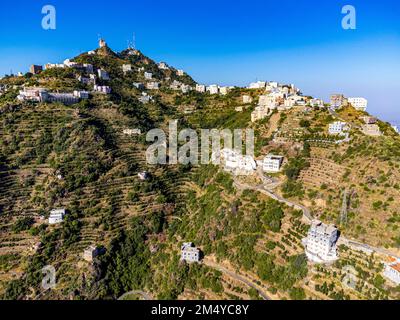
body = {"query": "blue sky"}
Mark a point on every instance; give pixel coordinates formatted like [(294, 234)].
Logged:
[(226, 42)]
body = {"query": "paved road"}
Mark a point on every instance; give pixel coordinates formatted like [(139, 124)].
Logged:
[(237, 277), (143, 294), (309, 218)]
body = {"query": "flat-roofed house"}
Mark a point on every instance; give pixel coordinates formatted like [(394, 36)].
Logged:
[(272, 163), (337, 127), (359, 103), (56, 216)]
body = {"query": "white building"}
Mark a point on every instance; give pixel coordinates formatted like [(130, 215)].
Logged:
[(54, 65), (180, 73), (126, 68), (163, 66), (102, 89), (337, 127), (190, 253), (268, 101), (132, 132), (213, 89), (320, 244), (148, 75), (392, 270), (259, 113), (33, 94), (237, 163), (65, 98), (185, 88), (359, 103), (56, 216), (372, 130), (153, 85), (200, 88), (247, 99), (316, 103), (258, 85), (224, 90), (103, 74), (272, 163), (144, 98), (90, 253)]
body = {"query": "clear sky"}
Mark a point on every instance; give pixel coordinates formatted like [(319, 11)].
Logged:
[(226, 42)]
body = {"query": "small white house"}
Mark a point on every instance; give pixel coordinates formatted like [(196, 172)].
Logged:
[(163, 66), (56, 216), (190, 253), (337, 127), (180, 73), (153, 85), (272, 163)]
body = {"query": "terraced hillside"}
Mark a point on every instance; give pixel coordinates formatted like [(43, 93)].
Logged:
[(78, 157)]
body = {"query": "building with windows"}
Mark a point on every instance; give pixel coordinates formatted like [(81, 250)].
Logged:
[(35, 69), (320, 243), (272, 163), (213, 89), (338, 100), (190, 253), (392, 270), (359, 103), (258, 85), (337, 127), (56, 216), (148, 75), (102, 89), (200, 88)]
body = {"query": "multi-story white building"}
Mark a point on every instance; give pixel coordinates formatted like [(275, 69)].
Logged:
[(102, 89), (272, 163), (316, 103), (337, 127), (153, 85), (56, 216), (320, 244), (190, 253), (103, 74), (200, 88), (258, 85), (359, 103), (237, 163), (392, 270), (33, 94), (213, 89), (65, 98), (148, 75)]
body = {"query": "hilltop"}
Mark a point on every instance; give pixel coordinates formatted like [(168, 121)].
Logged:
[(79, 156)]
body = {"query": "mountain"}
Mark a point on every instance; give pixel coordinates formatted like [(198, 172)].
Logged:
[(80, 157)]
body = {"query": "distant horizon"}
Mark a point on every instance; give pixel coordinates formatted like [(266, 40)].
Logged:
[(296, 42)]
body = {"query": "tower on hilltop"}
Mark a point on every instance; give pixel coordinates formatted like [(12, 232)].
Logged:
[(102, 43)]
